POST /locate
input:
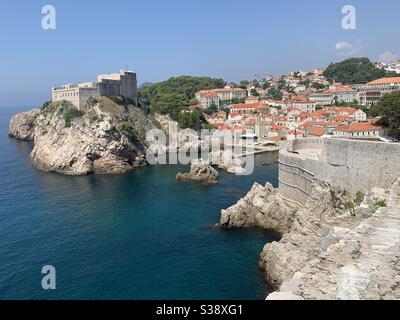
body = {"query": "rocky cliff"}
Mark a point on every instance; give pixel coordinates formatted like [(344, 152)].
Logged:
[(104, 137), (261, 207), (332, 247), (22, 125)]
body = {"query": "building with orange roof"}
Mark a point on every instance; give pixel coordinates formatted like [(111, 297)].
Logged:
[(372, 92), (207, 98), (228, 93), (295, 134), (249, 108), (316, 132), (215, 119), (252, 99), (358, 130)]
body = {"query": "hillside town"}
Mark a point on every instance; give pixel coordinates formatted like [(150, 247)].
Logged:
[(297, 105)]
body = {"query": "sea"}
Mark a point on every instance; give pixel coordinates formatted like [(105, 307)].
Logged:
[(134, 236)]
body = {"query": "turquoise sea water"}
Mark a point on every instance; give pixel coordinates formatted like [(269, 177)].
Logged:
[(135, 236)]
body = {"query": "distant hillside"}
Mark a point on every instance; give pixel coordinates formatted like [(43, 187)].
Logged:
[(172, 96), (353, 71), (145, 85)]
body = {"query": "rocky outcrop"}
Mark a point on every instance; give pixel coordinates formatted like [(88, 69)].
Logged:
[(201, 171), (104, 137), (362, 261), (302, 242), (22, 125), (333, 247), (226, 160), (261, 207)]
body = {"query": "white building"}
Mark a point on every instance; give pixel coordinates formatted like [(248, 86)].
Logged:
[(360, 116), (123, 83), (322, 99), (372, 92), (207, 99), (359, 131)]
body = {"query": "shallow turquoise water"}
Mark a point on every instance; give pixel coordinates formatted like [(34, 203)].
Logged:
[(135, 236)]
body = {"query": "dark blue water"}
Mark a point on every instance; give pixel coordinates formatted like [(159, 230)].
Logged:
[(135, 236)]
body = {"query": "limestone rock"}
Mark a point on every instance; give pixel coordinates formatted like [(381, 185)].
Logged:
[(22, 125), (261, 207), (104, 137), (201, 171), (362, 261), (276, 296), (281, 260), (226, 160)]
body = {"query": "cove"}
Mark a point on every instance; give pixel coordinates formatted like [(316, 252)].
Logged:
[(135, 236)]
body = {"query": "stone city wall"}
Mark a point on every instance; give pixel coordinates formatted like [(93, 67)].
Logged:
[(350, 165)]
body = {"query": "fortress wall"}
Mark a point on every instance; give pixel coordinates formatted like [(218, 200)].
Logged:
[(360, 165), (300, 144), (296, 177), (350, 165)]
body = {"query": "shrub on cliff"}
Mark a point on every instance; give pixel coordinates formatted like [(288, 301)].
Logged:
[(126, 129), (192, 120), (122, 101), (69, 114), (46, 105)]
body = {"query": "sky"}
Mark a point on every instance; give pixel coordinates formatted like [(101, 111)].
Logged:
[(234, 40)]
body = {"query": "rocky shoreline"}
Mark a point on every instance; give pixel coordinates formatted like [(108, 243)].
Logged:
[(331, 247), (106, 138), (103, 138)]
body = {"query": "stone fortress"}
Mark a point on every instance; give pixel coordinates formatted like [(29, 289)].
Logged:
[(337, 210), (351, 165), (123, 83)]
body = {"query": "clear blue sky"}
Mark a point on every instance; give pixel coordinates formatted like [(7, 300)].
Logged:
[(158, 39)]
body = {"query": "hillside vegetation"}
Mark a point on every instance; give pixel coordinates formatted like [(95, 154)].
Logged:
[(353, 71), (174, 95)]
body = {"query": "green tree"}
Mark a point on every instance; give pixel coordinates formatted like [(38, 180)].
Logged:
[(305, 83), (193, 102), (266, 85), (243, 84), (227, 111), (254, 93), (281, 84), (389, 109), (193, 120), (353, 71), (175, 94), (213, 108), (169, 103), (275, 94), (318, 86)]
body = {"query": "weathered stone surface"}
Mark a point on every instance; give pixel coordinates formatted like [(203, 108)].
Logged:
[(261, 207), (332, 247), (201, 171), (363, 261), (302, 243), (22, 125), (283, 296), (106, 138), (226, 160)]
